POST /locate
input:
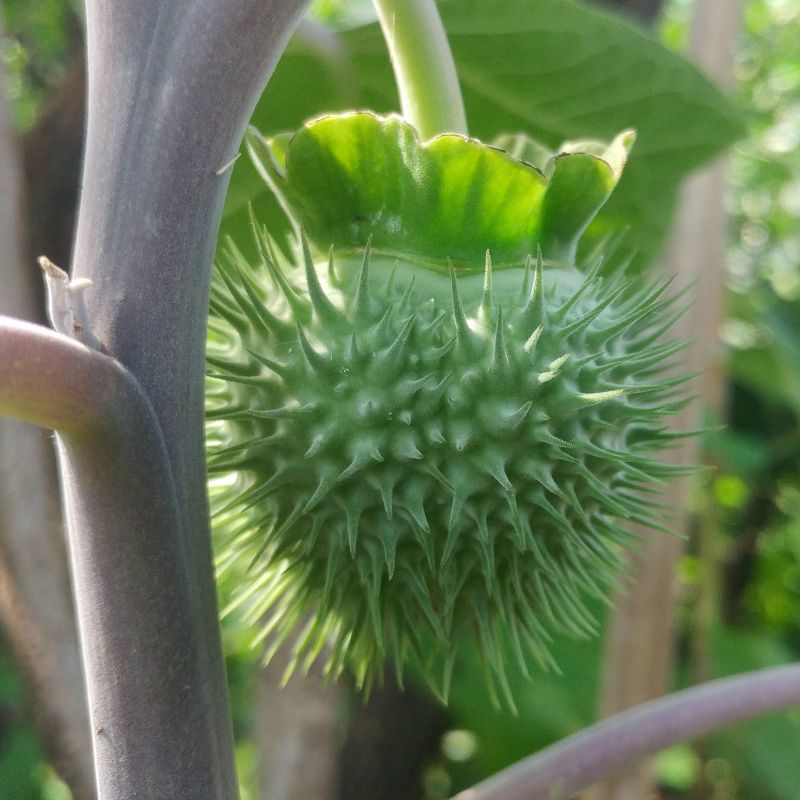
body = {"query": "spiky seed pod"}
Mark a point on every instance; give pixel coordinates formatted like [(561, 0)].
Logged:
[(408, 453), (421, 456)]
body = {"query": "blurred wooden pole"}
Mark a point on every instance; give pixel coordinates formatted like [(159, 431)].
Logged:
[(639, 643), (35, 594), (299, 733)]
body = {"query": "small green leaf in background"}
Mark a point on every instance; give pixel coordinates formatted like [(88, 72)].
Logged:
[(35, 49), (763, 333), (21, 756), (678, 767)]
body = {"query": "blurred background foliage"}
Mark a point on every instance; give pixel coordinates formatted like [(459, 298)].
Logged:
[(740, 601)]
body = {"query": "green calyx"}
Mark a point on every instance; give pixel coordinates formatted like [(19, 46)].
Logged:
[(358, 177), (410, 453)]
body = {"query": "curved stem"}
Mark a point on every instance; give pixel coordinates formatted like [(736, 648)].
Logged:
[(50, 380), (575, 763), (430, 95)]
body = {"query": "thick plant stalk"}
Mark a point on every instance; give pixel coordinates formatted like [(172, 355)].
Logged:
[(639, 648), (430, 94), (131, 583), (565, 768), (171, 86), (35, 593)]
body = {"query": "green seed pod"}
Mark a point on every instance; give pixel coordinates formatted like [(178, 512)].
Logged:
[(416, 452)]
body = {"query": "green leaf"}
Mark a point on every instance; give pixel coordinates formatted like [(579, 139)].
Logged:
[(559, 70), (552, 69), (358, 176)]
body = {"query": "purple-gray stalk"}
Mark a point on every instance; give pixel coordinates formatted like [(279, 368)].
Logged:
[(132, 583), (575, 763), (171, 87)]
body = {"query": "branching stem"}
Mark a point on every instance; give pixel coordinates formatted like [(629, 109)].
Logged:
[(51, 380), (430, 95), (575, 763)]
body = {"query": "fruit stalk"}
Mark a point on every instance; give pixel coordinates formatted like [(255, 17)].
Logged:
[(430, 95)]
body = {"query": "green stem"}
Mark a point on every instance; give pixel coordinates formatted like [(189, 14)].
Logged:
[(423, 66)]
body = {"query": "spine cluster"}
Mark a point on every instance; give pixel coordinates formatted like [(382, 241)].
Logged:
[(407, 456)]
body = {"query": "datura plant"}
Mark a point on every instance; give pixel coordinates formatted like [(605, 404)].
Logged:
[(426, 420)]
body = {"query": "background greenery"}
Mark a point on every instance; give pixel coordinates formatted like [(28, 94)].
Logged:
[(740, 605)]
